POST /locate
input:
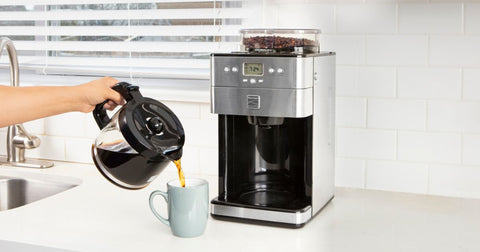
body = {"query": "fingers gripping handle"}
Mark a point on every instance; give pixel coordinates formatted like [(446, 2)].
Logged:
[(165, 196), (127, 91), (100, 115)]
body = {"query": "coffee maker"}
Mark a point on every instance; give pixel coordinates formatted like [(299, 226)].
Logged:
[(275, 103)]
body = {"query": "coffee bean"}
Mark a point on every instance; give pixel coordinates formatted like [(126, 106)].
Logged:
[(275, 42)]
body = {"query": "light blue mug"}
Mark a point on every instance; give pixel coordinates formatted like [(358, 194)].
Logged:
[(187, 207)]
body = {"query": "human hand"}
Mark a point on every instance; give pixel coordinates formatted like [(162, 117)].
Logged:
[(97, 91)]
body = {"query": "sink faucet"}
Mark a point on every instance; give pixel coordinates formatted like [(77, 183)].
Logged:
[(18, 138)]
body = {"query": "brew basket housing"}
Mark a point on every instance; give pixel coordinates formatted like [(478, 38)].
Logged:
[(280, 40)]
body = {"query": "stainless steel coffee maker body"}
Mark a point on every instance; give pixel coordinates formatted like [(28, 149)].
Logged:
[(276, 135)]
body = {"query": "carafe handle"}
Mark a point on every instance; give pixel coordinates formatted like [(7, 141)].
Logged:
[(128, 92)]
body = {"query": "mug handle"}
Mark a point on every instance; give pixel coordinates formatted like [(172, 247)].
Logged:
[(165, 196)]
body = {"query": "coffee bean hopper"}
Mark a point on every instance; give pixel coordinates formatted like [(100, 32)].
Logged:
[(275, 103)]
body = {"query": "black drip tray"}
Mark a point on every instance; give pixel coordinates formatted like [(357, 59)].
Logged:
[(269, 198)]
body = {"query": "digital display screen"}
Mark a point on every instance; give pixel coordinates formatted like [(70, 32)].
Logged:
[(253, 69)]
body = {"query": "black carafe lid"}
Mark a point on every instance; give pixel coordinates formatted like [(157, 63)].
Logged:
[(149, 126)]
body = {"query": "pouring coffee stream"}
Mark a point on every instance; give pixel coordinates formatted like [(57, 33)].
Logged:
[(181, 177), (138, 141)]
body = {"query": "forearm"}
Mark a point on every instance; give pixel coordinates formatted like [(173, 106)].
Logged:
[(29, 103), (21, 104)]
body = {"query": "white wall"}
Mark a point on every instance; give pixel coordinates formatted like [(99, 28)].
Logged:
[(408, 97), (408, 90)]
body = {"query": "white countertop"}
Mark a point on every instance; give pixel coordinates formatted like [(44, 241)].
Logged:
[(98, 216)]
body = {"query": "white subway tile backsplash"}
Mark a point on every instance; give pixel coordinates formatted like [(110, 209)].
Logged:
[(365, 143), (458, 181), (184, 109), (397, 50), (346, 81), (78, 150), (376, 81), (429, 147), (471, 84), (454, 116), (190, 159), (396, 114), (206, 113), (471, 149), (455, 51), (69, 125), (365, 81), (365, 18), (51, 147), (350, 112), (32, 127), (472, 18), (429, 83), (350, 172), (314, 16), (427, 18), (91, 128), (397, 176), (350, 50), (35, 127), (201, 133), (208, 161)]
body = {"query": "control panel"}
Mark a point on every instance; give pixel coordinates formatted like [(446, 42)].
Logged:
[(254, 73), (262, 72)]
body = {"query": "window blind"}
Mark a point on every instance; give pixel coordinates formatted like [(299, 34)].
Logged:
[(167, 39)]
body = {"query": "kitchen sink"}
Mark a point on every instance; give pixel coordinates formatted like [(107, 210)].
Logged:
[(20, 191)]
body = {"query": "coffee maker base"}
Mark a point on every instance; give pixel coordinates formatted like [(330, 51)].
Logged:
[(257, 222), (260, 215)]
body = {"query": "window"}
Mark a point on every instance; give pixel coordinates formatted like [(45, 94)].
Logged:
[(166, 39)]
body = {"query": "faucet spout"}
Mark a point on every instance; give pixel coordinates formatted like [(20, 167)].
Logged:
[(12, 55), (18, 138)]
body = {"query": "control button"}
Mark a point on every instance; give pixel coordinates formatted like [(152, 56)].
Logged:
[(234, 69), (280, 70), (271, 70), (226, 69), (260, 81), (245, 80), (253, 81)]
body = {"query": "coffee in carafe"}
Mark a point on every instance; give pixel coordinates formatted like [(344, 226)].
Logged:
[(138, 141), (117, 167)]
